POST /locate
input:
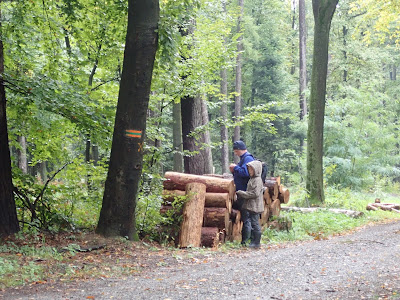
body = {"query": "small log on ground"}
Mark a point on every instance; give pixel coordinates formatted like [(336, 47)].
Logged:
[(284, 194), (190, 232), (350, 213), (209, 237), (178, 181)]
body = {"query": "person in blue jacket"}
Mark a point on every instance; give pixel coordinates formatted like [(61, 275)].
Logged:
[(241, 178)]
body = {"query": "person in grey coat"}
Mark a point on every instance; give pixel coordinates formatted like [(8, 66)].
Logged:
[(253, 205)]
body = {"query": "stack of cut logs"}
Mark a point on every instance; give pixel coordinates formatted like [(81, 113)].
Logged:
[(208, 217), (384, 206)]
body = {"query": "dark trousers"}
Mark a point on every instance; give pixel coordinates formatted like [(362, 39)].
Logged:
[(251, 225)]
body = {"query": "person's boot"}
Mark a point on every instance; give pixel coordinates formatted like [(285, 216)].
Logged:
[(255, 243)]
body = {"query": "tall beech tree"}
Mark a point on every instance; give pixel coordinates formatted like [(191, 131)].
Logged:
[(8, 213), (117, 216), (323, 13), (238, 78)]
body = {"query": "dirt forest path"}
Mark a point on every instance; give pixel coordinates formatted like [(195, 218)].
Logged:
[(361, 265)]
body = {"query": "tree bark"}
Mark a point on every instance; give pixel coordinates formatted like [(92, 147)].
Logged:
[(323, 14), (209, 237), (8, 214), (303, 63), (190, 233), (275, 208), (238, 80), (117, 216), (206, 147), (177, 137), (216, 217), (223, 128), (191, 119), (22, 159)]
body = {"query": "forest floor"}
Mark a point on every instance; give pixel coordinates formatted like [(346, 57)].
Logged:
[(362, 264)]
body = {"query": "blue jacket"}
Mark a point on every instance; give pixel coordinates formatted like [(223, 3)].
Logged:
[(240, 174)]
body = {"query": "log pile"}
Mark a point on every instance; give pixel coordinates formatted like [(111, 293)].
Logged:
[(208, 217), (384, 206)]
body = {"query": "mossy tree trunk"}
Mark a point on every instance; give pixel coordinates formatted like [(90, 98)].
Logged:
[(117, 216), (323, 13)]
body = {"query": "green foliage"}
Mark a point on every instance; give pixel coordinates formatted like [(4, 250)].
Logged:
[(69, 203)]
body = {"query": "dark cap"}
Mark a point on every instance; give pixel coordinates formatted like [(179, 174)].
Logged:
[(239, 145)]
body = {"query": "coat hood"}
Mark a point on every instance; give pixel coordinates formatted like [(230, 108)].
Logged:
[(257, 166)]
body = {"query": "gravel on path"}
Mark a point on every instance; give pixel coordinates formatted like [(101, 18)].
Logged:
[(361, 265)]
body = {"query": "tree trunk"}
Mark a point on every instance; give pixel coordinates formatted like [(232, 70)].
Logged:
[(293, 63), (192, 119), (8, 214), (190, 233), (95, 154), (117, 216), (238, 80), (224, 129), (303, 63), (43, 171), (21, 153), (177, 137), (323, 13), (206, 147)]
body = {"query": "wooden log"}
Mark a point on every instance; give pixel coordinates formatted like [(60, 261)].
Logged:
[(228, 231), (273, 187), (209, 237), (265, 215), (236, 232), (178, 181), (386, 206), (216, 217), (267, 198), (169, 196), (284, 194), (190, 231), (235, 215), (165, 208), (370, 207), (212, 199), (350, 213), (218, 200), (275, 208), (277, 179)]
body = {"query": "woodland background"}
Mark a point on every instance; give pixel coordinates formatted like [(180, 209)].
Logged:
[(63, 63)]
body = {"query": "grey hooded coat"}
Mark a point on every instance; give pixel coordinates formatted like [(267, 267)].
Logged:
[(253, 196)]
